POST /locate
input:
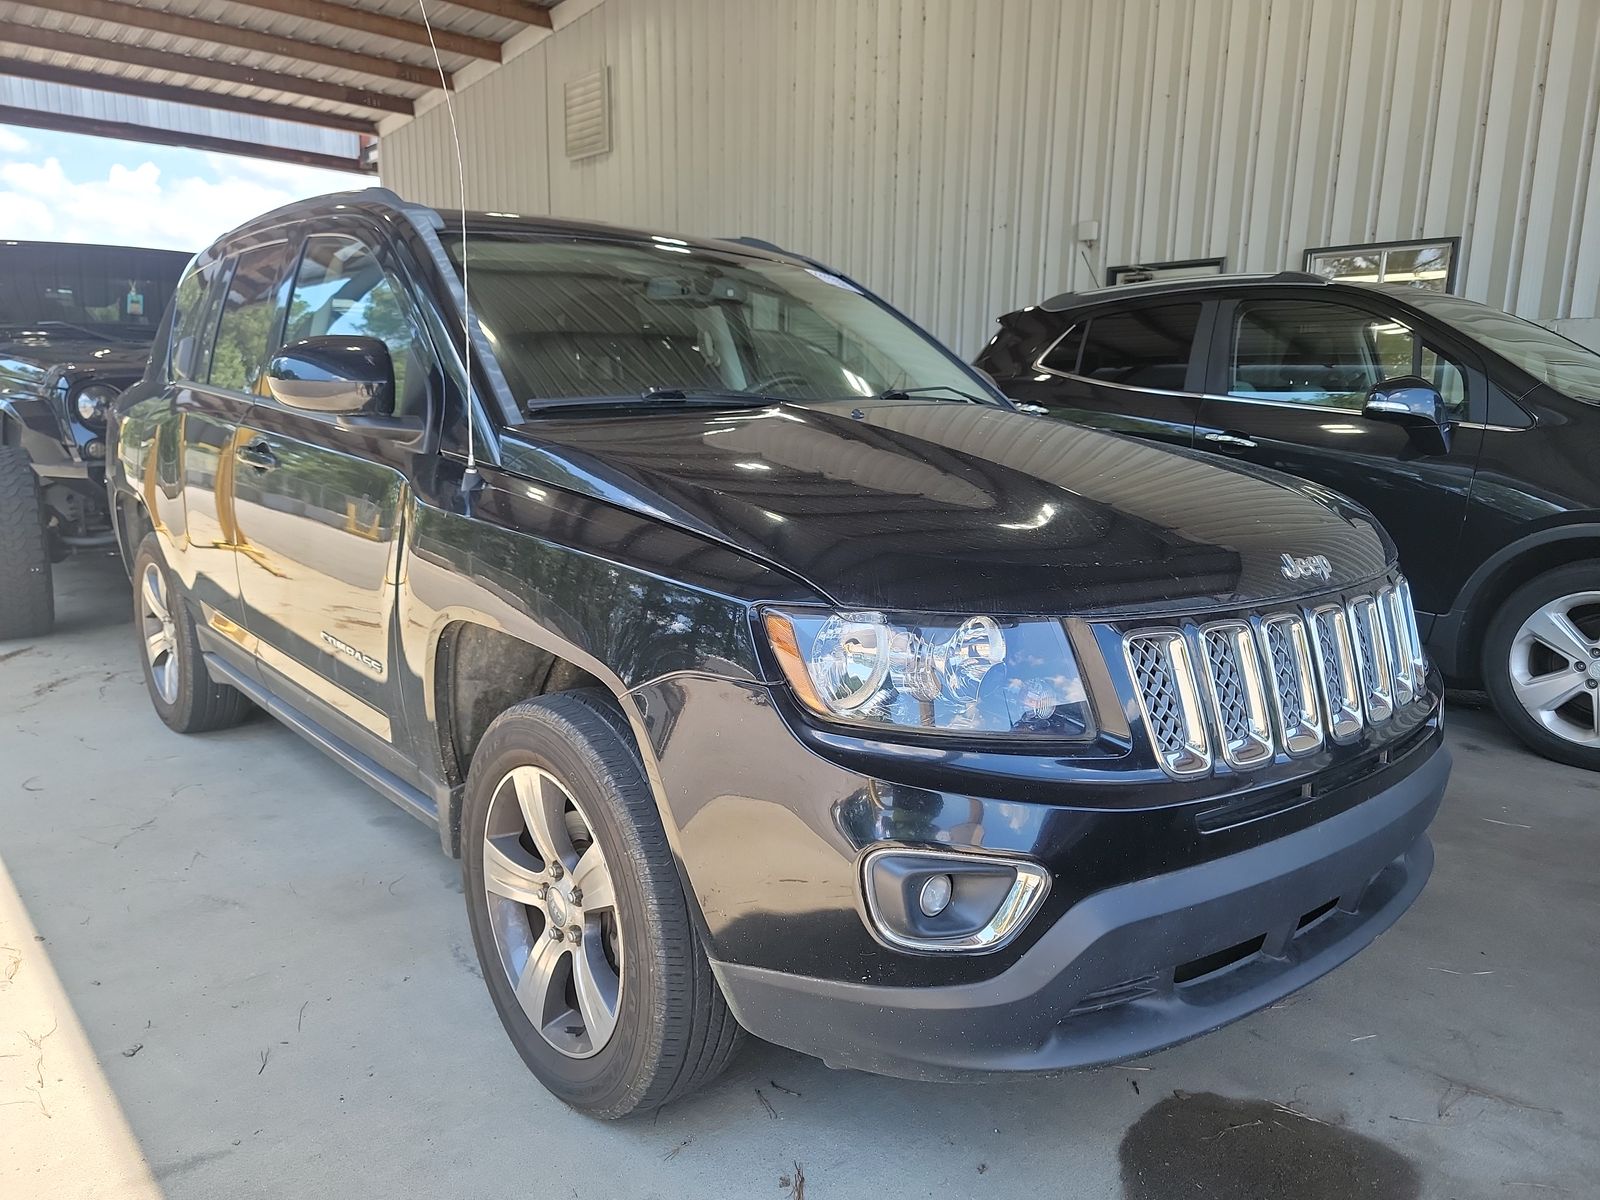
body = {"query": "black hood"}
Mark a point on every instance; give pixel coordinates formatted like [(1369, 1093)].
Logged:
[(82, 350), (960, 508)]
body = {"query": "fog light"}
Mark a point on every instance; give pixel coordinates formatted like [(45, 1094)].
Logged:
[(951, 901), (935, 895)]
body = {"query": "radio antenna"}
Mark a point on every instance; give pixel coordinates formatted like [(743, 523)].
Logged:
[(470, 480)]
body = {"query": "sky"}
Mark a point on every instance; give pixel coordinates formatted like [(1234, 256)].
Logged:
[(68, 187)]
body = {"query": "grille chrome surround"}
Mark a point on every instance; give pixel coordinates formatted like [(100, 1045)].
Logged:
[(1238, 694), (1279, 682), (1160, 665), (1372, 658), (1341, 689), (1287, 650)]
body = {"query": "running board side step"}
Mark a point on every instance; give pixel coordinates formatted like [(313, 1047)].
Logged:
[(381, 780)]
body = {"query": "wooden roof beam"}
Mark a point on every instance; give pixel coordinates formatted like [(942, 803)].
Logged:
[(21, 68), (382, 24), (510, 10), (116, 12), (59, 42)]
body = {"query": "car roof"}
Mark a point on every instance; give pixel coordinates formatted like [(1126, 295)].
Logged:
[(385, 204), (1199, 283)]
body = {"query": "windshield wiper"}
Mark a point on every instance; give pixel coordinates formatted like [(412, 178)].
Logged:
[(654, 397), (908, 393)]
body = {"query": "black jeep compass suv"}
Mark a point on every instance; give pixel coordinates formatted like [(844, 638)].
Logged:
[(767, 670)]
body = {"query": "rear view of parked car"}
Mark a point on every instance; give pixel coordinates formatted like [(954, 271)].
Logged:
[(76, 324), (1470, 434), (767, 670)]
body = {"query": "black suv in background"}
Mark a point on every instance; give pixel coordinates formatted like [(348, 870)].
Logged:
[(1470, 434), (766, 669), (76, 323)]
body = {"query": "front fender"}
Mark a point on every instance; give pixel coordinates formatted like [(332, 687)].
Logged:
[(623, 597)]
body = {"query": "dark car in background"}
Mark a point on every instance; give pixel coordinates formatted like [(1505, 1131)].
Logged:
[(764, 666), (76, 322), (1470, 434)]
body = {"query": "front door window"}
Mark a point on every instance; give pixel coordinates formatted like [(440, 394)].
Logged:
[(1329, 355)]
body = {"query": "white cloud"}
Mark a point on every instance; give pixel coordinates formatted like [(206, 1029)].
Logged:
[(12, 142), (136, 204)]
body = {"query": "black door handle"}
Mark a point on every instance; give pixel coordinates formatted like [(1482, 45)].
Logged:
[(258, 454)]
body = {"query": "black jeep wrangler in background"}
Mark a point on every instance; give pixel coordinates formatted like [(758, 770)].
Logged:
[(76, 323), (767, 670)]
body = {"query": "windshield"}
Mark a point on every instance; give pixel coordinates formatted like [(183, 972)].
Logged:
[(105, 290), (1560, 362), (591, 318)]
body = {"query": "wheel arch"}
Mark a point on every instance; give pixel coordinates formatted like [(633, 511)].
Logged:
[(1457, 636), (463, 696)]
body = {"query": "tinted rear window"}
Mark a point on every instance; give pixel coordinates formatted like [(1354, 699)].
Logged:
[(1143, 347)]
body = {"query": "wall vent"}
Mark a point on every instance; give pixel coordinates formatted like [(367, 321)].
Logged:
[(588, 114)]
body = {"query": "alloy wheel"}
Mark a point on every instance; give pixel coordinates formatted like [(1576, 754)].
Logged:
[(553, 909), (1555, 667), (159, 633)]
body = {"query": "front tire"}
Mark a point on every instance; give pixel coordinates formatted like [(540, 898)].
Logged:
[(579, 917), (181, 688), (27, 596), (1541, 664)]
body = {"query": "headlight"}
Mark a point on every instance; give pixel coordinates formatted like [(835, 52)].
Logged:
[(92, 403), (962, 675)]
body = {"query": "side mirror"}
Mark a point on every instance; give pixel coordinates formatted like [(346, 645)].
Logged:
[(1415, 405), (339, 376)]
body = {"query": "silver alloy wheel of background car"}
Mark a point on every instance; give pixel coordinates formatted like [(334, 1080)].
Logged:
[(159, 633), (552, 906), (1555, 667)]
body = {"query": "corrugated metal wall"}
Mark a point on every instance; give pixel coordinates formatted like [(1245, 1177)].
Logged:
[(943, 151)]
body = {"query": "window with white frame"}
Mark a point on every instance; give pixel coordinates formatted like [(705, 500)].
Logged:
[(1430, 265)]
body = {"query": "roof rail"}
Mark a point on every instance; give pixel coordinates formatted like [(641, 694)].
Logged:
[(744, 239), (1298, 277)]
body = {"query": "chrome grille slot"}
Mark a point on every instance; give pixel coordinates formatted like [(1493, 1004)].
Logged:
[(1336, 660), (1402, 669), (1238, 693), (1413, 637), (1294, 683), (1162, 672), (1372, 658)]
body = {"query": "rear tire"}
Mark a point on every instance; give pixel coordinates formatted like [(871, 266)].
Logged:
[(1541, 664), (663, 1027), (181, 688), (27, 596)]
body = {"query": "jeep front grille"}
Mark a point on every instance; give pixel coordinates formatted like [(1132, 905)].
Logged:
[(1238, 695), (1159, 662), (1277, 682)]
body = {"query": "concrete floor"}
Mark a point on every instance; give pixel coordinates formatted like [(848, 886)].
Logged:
[(228, 969)]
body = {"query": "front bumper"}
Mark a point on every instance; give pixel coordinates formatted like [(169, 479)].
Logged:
[(1132, 968)]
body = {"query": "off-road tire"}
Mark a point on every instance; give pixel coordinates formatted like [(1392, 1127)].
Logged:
[(674, 1032), (27, 596)]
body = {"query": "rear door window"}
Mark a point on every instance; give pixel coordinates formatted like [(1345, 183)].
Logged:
[(1145, 347), (194, 320), (250, 313)]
